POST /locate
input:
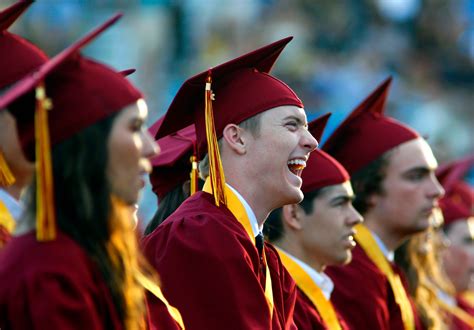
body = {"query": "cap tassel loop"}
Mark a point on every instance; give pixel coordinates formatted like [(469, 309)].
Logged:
[(6, 176), (216, 171), (45, 214)]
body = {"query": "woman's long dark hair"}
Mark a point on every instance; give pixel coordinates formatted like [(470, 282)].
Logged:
[(167, 205), (83, 202)]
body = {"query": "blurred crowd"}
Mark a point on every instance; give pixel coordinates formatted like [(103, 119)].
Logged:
[(341, 50)]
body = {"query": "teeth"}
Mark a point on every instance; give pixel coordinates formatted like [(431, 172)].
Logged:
[(350, 238), (297, 162)]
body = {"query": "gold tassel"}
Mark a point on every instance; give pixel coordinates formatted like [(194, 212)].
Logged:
[(194, 175), (45, 213), (6, 176), (216, 172)]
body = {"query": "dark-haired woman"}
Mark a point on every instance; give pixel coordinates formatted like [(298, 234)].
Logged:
[(87, 272)]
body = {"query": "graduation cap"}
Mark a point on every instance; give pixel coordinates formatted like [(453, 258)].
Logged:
[(17, 58), (177, 161), (229, 93), (458, 201), (17, 55), (127, 72), (367, 133), (321, 169), (72, 93)]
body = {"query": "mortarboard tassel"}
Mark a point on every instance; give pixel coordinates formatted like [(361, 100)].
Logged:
[(45, 213), (216, 172), (6, 176)]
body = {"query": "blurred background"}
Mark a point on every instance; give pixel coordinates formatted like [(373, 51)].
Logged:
[(341, 51)]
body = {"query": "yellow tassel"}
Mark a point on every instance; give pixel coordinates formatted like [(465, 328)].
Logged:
[(45, 214), (194, 175), (216, 172), (6, 176)]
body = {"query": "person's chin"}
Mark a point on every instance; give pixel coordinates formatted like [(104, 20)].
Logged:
[(295, 196)]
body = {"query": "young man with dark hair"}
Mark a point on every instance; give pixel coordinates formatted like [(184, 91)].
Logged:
[(392, 173), (316, 233)]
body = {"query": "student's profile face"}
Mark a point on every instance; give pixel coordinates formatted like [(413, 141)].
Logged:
[(458, 258), (328, 231), (11, 149), (410, 190), (130, 147), (277, 155)]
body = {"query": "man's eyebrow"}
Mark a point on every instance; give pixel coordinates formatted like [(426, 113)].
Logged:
[(342, 198), (297, 119)]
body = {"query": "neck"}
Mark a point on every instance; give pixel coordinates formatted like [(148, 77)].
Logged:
[(260, 210), (291, 246), (392, 240)]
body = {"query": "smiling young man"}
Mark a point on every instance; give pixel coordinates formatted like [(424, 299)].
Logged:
[(316, 233), (392, 173), (18, 58), (213, 263)]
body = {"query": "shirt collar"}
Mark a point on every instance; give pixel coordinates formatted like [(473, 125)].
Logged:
[(386, 252), (253, 219), (445, 297), (14, 206), (320, 279)]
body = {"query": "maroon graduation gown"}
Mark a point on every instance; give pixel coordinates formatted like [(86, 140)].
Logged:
[(307, 317), (52, 285), (457, 323), (363, 296), (210, 270)]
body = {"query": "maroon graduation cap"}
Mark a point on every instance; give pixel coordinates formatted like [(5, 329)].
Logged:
[(367, 133), (321, 169), (72, 93), (176, 162), (17, 56), (458, 201)]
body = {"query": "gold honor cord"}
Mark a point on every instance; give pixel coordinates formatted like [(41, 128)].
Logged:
[(238, 210), (6, 219), (369, 245), (156, 291), (458, 312), (6, 176), (312, 291)]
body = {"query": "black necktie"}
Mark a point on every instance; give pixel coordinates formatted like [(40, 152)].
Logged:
[(259, 243)]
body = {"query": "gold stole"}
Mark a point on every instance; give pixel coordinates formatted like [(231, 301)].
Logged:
[(155, 289), (6, 219), (311, 290), (369, 245), (458, 312), (238, 210)]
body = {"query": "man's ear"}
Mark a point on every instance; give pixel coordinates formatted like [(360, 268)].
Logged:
[(234, 137), (292, 216)]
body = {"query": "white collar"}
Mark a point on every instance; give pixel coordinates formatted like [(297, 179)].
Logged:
[(320, 279), (253, 219), (386, 252), (446, 298), (14, 206)]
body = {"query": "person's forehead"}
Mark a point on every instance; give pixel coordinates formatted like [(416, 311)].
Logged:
[(341, 189), (412, 154), (138, 109), (285, 111)]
